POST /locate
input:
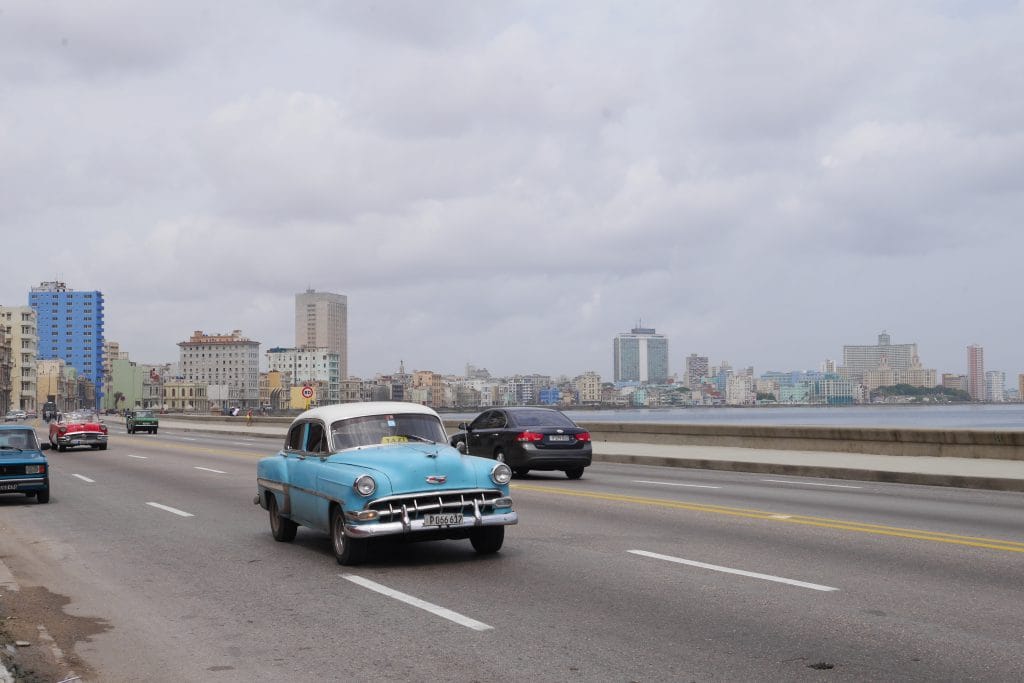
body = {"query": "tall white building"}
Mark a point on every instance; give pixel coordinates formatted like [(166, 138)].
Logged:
[(228, 364), (321, 322), (641, 355), (995, 386), (20, 325)]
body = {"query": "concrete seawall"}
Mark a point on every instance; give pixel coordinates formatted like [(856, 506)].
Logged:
[(955, 443), (958, 443)]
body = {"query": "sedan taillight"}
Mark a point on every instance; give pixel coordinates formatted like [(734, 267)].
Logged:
[(529, 436), (583, 436)]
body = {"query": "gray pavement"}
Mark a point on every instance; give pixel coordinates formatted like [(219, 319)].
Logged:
[(1002, 475)]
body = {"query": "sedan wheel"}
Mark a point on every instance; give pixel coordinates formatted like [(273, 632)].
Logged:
[(487, 540), (574, 473), (348, 551), (521, 471), (43, 496), (281, 528)]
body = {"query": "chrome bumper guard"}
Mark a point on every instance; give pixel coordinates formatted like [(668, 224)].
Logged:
[(406, 525)]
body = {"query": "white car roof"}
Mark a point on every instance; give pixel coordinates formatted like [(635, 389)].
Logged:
[(345, 411)]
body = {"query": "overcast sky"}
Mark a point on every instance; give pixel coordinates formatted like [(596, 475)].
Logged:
[(512, 184)]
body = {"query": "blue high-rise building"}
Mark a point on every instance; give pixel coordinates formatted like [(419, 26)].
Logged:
[(70, 326)]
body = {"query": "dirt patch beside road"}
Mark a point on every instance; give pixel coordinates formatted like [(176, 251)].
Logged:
[(35, 616)]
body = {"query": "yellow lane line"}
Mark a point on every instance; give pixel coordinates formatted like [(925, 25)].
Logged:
[(843, 525)]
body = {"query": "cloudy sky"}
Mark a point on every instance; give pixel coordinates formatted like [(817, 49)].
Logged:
[(512, 184)]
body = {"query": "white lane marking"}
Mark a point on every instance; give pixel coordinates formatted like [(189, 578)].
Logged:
[(207, 469), (138, 457), (416, 602), (84, 478), (167, 508), (241, 443), (670, 483), (188, 438), (811, 483), (739, 572)]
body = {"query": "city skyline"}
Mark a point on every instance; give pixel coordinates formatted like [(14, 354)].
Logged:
[(512, 186)]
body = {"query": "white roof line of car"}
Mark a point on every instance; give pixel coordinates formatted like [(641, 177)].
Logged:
[(345, 411)]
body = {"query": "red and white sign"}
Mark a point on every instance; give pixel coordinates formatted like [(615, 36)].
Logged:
[(307, 392)]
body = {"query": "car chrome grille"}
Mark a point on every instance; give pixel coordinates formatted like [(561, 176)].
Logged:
[(414, 506)]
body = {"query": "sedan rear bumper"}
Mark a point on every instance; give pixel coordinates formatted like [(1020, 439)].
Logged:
[(535, 458), (24, 484)]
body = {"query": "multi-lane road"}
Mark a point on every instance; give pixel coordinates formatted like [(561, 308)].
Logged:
[(152, 563)]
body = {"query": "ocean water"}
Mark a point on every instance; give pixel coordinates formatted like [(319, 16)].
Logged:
[(1001, 417)]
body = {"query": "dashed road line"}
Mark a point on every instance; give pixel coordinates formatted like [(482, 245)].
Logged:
[(138, 457), (448, 614), (84, 478), (167, 508), (738, 572), (207, 469)]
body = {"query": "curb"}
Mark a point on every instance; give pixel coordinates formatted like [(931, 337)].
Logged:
[(817, 471)]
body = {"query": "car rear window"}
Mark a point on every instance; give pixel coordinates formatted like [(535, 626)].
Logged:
[(541, 418)]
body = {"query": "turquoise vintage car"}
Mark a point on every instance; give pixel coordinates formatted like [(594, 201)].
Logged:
[(360, 471), (23, 467)]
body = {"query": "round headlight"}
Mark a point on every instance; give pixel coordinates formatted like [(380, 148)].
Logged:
[(365, 485), (501, 474)]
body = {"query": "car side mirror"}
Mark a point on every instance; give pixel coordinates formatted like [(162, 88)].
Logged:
[(460, 446)]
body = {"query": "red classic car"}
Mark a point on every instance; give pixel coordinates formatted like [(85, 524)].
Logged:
[(83, 428)]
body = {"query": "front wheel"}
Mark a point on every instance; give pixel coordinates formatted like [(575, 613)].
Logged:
[(487, 540), (348, 551), (103, 446), (154, 431), (281, 528), (43, 496), (574, 473), (61, 448)]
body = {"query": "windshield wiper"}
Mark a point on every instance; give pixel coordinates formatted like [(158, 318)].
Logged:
[(417, 437)]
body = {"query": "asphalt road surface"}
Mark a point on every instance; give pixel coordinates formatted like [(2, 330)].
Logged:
[(151, 563)]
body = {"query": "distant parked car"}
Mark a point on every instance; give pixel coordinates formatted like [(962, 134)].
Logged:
[(360, 471), (15, 416), (23, 467), (82, 428), (527, 439), (142, 421)]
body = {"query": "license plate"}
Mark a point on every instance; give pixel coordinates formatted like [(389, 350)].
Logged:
[(559, 437), (12, 487), (447, 519)]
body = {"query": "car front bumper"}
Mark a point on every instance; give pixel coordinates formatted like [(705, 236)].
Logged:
[(413, 526), (81, 438)]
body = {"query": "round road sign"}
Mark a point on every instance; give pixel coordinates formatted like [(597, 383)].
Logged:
[(307, 392)]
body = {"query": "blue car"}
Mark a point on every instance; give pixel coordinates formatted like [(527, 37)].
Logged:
[(23, 467), (361, 471)]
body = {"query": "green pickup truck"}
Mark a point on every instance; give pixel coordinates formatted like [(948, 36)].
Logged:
[(142, 421)]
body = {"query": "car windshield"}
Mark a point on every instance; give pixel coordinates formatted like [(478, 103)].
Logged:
[(541, 418), (143, 413), (21, 439), (378, 429)]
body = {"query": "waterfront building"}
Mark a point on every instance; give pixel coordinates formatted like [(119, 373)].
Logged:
[(227, 363), (5, 371), (833, 390), (641, 356), (875, 363), (995, 386), (696, 370), (70, 326), (588, 388), (321, 321), (954, 381), (976, 372), (20, 326), (739, 390), (309, 365), (185, 397)]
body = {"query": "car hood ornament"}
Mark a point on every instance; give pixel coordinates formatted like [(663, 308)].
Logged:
[(437, 478)]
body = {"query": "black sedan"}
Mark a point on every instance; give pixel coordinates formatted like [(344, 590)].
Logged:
[(527, 439)]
